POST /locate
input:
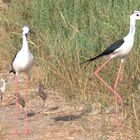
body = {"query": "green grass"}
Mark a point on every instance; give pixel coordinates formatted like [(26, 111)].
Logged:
[(67, 32)]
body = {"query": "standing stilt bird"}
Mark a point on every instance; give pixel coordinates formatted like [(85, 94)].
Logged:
[(120, 49), (23, 62), (2, 88)]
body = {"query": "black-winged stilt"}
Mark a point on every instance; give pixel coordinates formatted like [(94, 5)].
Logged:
[(2, 87), (23, 62), (120, 49)]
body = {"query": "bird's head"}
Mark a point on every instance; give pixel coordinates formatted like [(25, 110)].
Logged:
[(25, 30), (135, 15), (3, 85), (3, 81)]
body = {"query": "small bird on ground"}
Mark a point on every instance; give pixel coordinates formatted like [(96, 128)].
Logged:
[(22, 63), (41, 92), (2, 87), (21, 100)]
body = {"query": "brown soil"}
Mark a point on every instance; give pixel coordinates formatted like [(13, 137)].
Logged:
[(58, 119)]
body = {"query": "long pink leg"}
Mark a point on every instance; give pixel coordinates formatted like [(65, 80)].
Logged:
[(115, 89), (27, 81), (26, 130), (117, 78), (109, 87), (122, 70), (17, 106)]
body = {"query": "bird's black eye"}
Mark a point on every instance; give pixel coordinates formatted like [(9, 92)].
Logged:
[(137, 14)]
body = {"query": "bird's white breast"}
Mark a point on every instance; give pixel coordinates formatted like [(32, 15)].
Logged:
[(126, 47), (23, 61)]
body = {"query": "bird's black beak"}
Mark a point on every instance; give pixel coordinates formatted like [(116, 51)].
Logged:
[(6, 81), (26, 35), (31, 31)]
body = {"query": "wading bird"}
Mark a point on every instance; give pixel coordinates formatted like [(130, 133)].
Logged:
[(119, 49), (2, 88), (22, 62)]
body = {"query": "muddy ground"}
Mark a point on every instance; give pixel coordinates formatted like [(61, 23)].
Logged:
[(59, 119)]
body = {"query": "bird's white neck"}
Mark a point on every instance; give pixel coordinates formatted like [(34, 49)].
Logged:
[(132, 26), (25, 43)]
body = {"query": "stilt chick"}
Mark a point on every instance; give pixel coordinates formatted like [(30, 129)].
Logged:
[(21, 100), (42, 93)]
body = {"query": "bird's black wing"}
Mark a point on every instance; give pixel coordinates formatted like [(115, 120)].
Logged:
[(12, 70), (109, 50)]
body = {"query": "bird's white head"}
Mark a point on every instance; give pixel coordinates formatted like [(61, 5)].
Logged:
[(135, 15), (3, 81), (3, 85), (25, 30)]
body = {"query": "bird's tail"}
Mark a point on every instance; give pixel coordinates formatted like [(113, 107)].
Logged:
[(91, 59), (12, 71)]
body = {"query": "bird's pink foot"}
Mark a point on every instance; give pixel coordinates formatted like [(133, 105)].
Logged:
[(27, 131), (96, 73), (120, 100), (117, 122), (15, 132)]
